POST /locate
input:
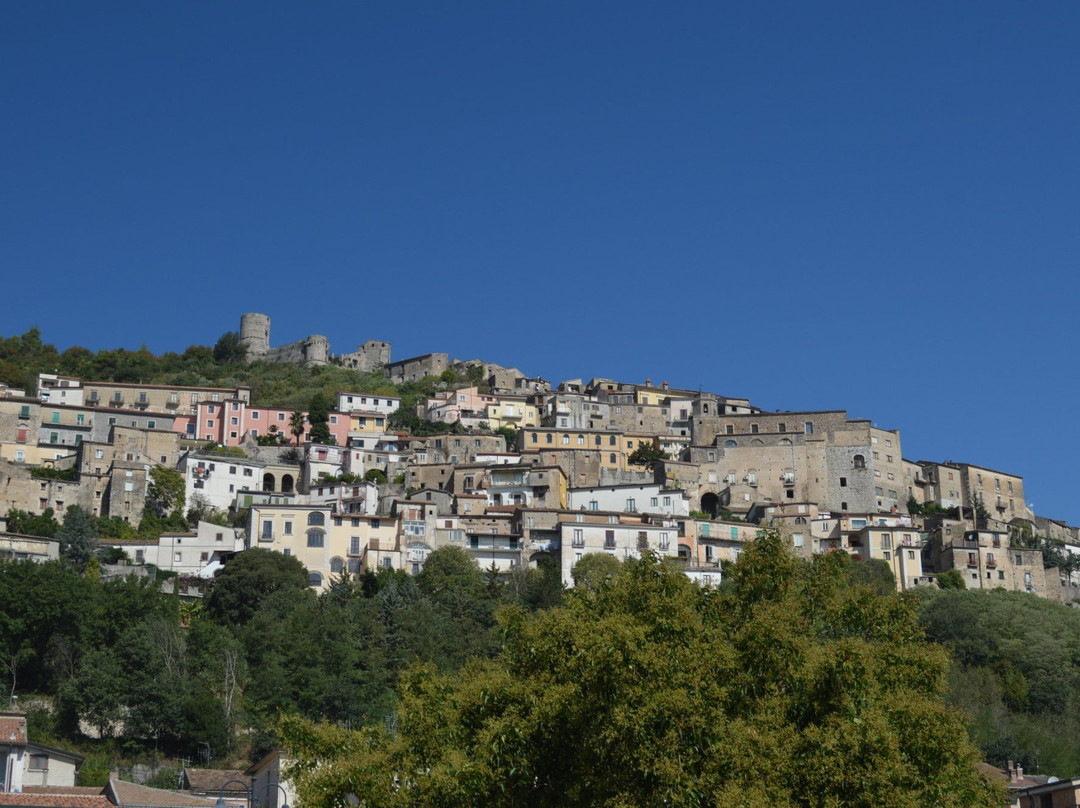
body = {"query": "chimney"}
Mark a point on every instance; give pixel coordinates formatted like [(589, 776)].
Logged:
[(664, 385), (648, 382), (1011, 771), (1019, 772)]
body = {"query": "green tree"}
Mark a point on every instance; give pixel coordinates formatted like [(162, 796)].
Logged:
[(377, 476), (594, 571), (319, 418), (646, 454), (165, 493), (297, 425), (249, 578), (29, 524), (229, 349), (510, 435), (951, 578), (78, 537), (791, 687)]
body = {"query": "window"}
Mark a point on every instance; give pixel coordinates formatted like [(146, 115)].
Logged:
[(654, 501), (1019, 559), (315, 538), (287, 551), (843, 482), (288, 528), (316, 518), (782, 428), (665, 541), (611, 458), (565, 440), (579, 537), (594, 505), (581, 440), (808, 427), (858, 461), (878, 492), (609, 539), (753, 429), (797, 539), (268, 529), (314, 579), (354, 545), (337, 565), (631, 504), (39, 763)]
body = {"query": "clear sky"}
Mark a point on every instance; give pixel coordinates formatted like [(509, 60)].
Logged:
[(860, 206)]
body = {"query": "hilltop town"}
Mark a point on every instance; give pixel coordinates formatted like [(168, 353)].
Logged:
[(513, 469)]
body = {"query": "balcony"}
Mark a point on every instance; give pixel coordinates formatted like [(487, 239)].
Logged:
[(991, 563)]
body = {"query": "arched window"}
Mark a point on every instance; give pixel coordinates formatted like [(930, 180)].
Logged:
[(268, 482), (337, 565), (286, 484), (316, 518), (354, 566), (730, 444), (858, 461), (314, 579), (315, 538)]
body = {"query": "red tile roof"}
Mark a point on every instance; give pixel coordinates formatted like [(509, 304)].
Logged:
[(12, 729), (8, 800)]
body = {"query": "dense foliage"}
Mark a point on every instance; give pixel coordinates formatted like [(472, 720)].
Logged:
[(1016, 672), (793, 686), (146, 671)]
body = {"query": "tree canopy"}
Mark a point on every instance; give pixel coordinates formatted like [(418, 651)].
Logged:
[(248, 579), (791, 686)]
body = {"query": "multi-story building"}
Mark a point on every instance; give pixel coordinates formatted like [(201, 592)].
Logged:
[(175, 399), (327, 544), (622, 540), (367, 402), (650, 498)]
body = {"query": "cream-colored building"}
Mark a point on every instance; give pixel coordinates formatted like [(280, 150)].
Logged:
[(326, 543), (176, 399), (620, 539)]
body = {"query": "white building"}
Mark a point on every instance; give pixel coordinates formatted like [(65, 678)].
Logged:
[(24, 763), (352, 402), (218, 478), (638, 498), (196, 552), (622, 541)]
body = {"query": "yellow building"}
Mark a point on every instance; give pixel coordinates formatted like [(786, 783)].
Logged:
[(513, 412), (609, 446), (323, 541)]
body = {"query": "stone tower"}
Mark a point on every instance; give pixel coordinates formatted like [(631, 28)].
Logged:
[(255, 335)]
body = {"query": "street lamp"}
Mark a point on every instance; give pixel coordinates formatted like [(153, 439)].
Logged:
[(250, 792)]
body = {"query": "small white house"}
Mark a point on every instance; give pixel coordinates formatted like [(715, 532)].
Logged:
[(24, 763)]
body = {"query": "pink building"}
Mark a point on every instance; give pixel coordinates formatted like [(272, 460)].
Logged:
[(226, 423)]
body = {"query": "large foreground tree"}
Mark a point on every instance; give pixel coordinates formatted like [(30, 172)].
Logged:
[(791, 686)]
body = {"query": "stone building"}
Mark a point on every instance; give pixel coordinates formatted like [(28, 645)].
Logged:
[(416, 367), (368, 357)]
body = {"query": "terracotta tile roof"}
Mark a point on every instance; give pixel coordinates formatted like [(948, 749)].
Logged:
[(12, 729), (214, 780), (131, 795), (53, 801), (85, 791)]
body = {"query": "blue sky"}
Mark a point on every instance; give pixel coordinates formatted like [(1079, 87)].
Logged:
[(867, 206)]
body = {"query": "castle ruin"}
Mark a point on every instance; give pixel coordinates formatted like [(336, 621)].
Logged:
[(311, 351)]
